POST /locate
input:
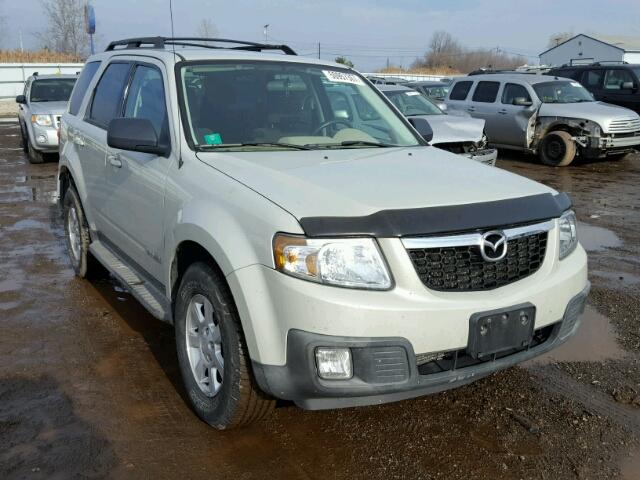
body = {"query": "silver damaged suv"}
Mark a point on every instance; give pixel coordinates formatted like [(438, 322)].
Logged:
[(300, 256)]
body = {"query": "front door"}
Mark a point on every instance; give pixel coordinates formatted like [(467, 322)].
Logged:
[(136, 180), (512, 120), (620, 87)]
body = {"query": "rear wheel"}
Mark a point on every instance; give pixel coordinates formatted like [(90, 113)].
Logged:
[(557, 149), (78, 240), (212, 352)]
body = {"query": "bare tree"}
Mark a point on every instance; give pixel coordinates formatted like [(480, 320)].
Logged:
[(207, 28), (445, 52), (558, 38), (66, 31)]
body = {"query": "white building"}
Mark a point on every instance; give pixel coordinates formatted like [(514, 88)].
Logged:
[(593, 48)]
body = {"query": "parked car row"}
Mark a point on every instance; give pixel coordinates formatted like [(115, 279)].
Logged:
[(554, 117)]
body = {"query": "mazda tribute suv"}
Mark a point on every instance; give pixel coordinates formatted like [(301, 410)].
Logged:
[(300, 256)]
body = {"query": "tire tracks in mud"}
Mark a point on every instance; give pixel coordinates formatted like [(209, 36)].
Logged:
[(555, 381)]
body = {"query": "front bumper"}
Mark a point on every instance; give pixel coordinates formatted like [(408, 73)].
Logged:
[(488, 156), (44, 139), (385, 369)]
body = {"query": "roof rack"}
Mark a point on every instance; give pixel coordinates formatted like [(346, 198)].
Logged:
[(203, 42)]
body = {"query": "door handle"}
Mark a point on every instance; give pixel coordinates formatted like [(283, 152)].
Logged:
[(502, 112), (78, 140), (471, 109), (114, 160)]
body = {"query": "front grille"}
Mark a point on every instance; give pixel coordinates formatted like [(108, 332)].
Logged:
[(462, 268), (625, 125)]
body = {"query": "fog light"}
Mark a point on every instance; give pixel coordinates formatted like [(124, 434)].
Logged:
[(334, 363), (41, 139)]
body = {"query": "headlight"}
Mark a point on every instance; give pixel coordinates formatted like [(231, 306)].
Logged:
[(42, 120), (568, 233), (344, 262)]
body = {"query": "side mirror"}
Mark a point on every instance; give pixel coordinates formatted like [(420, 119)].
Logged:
[(423, 127), (134, 134), (522, 102), (628, 86), (21, 99)]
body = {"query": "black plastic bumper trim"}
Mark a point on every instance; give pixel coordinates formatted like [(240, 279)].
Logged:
[(298, 381), (446, 219)]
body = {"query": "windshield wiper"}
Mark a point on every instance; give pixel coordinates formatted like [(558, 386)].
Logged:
[(256, 144), (351, 143)]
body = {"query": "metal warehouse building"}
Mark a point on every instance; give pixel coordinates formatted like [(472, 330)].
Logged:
[(593, 48)]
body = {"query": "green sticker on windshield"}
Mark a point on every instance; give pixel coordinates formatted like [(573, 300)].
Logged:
[(213, 139)]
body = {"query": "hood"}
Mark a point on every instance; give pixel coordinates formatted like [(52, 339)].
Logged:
[(358, 182), (48, 108), (598, 112), (453, 129)]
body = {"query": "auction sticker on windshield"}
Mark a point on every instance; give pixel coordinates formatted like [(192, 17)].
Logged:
[(342, 77), (412, 94)]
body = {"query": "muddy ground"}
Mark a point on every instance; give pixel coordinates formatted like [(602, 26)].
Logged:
[(89, 384)]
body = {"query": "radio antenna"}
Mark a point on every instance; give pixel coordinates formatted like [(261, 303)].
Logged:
[(173, 48)]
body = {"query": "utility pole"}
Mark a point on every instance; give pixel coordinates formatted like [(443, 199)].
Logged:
[(21, 45), (318, 50), (266, 33)]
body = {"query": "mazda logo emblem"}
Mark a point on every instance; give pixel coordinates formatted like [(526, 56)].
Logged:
[(493, 245)]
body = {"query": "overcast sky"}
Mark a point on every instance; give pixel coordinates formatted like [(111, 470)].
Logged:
[(366, 31)]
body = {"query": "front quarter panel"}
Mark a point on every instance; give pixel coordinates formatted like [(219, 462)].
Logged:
[(232, 222)]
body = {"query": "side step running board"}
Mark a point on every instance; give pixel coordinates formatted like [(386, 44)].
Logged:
[(151, 297)]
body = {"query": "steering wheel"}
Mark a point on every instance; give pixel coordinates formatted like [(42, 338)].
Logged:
[(335, 121)]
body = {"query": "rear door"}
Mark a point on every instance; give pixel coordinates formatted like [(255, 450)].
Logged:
[(510, 125), (620, 87), (136, 180), (459, 94), (91, 138), (484, 105)]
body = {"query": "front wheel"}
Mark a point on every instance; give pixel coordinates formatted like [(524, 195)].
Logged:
[(34, 155), (212, 352), (557, 149)]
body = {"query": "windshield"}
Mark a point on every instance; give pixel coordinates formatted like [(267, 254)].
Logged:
[(412, 103), (52, 90), (267, 105), (562, 92)]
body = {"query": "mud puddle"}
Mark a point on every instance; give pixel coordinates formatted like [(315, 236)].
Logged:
[(596, 239), (630, 469), (595, 341)]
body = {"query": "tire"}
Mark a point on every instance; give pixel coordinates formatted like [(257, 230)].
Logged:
[(557, 149), (209, 336), (25, 140), (33, 155), (77, 237)]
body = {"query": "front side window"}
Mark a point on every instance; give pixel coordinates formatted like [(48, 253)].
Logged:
[(107, 99), (512, 91), (562, 91), (411, 103), (615, 79), (486, 92), (51, 89), (460, 90), (81, 86), (146, 99), (265, 105)]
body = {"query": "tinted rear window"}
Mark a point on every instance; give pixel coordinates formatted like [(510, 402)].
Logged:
[(486, 92), (107, 100), (460, 90), (82, 84)]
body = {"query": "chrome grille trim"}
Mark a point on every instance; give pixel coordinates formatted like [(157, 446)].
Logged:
[(470, 239), (624, 125)]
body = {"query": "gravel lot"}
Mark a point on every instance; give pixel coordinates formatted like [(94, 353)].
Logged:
[(89, 383)]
